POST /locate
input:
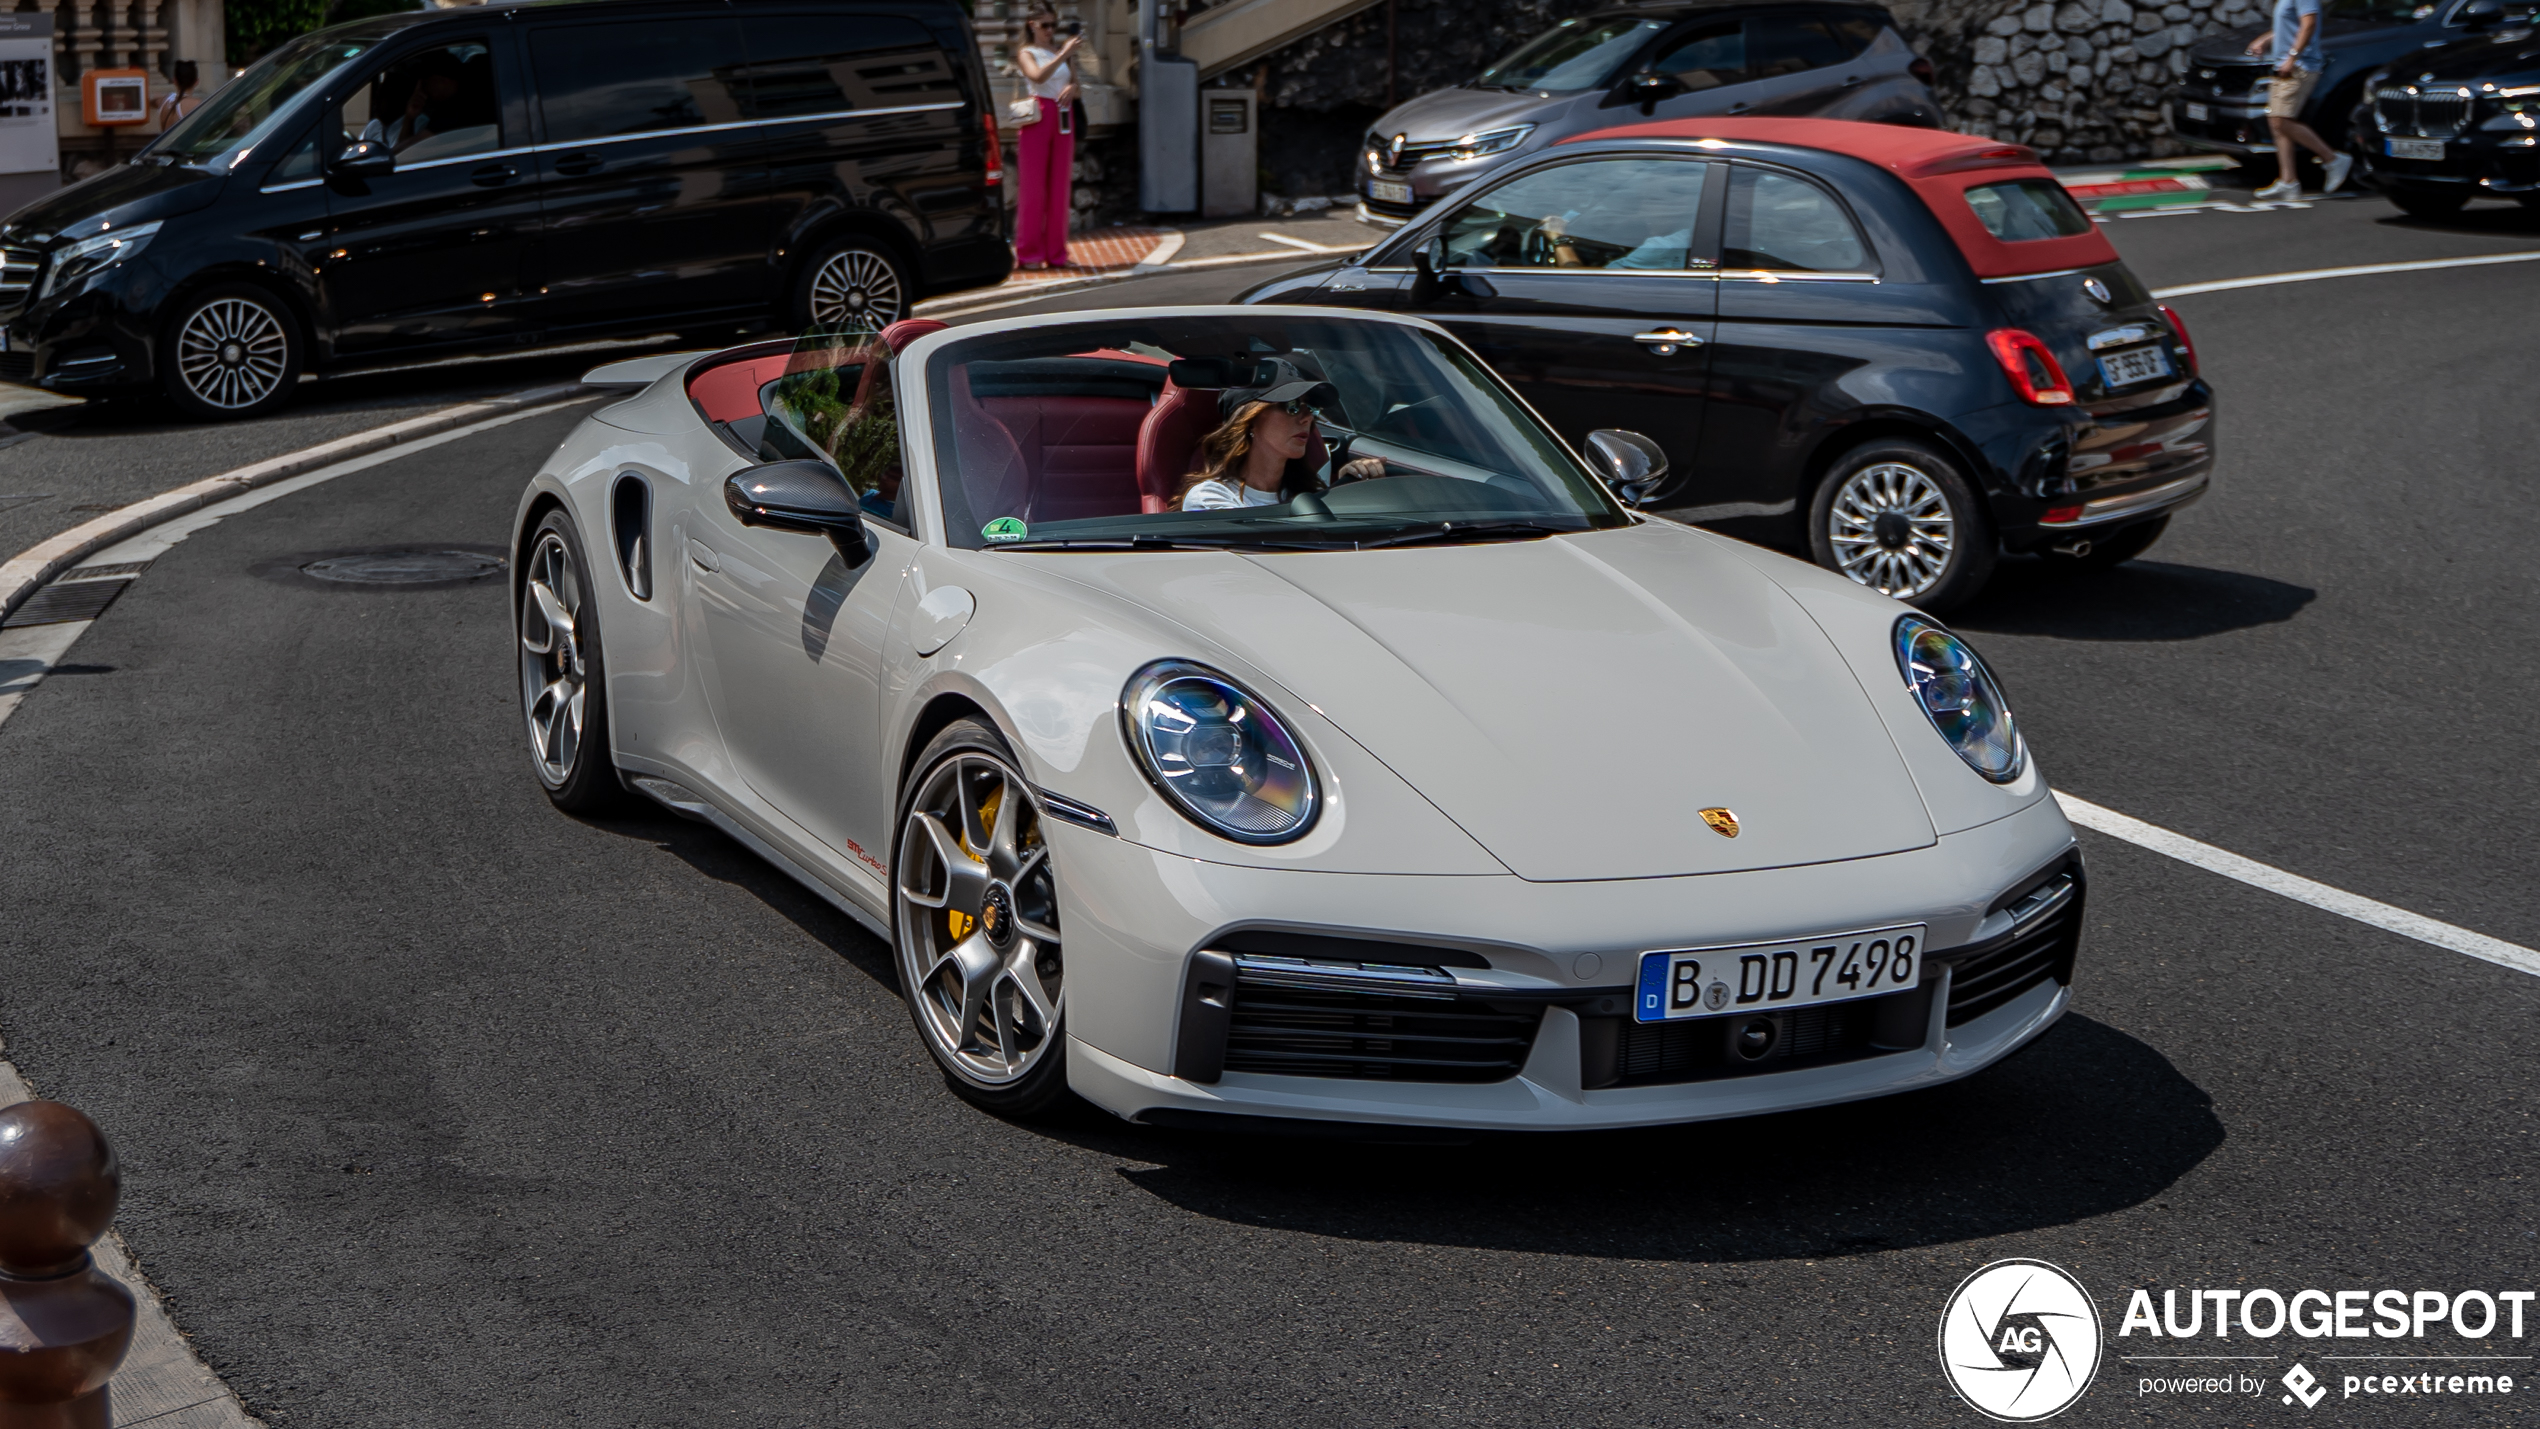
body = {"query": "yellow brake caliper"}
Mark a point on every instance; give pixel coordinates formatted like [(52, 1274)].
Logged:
[(957, 922)]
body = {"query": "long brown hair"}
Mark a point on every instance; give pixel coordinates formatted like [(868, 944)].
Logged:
[(1041, 14), (1222, 453)]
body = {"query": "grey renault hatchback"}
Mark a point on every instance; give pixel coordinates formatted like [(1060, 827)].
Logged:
[(1677, 59)]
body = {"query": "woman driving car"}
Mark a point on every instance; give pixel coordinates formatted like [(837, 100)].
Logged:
[(1256, 456)]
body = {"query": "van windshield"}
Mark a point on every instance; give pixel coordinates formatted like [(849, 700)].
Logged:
[(1573, 55), (243, 112)]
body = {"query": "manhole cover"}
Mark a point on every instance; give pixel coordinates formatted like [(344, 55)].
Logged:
[(440, 566), (403, 567)]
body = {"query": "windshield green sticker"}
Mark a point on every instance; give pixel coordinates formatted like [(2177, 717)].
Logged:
[(1004, 528)]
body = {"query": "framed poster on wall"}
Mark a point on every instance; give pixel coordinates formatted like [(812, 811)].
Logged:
[(28, 141)]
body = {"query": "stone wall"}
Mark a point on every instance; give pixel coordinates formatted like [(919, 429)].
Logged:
[(2081, 80)]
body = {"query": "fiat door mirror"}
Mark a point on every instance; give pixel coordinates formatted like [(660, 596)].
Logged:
[(1431, 277), (805, 496), (1632, 465)]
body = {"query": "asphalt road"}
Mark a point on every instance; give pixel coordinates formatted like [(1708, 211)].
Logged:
[(439, 1107)]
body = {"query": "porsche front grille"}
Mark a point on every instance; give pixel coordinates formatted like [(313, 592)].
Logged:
[(2425, 114), (1618, 1052), (1992, 974), (1301, 1032)]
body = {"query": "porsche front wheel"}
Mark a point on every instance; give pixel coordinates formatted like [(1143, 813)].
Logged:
[(562, 694), (976, 924)]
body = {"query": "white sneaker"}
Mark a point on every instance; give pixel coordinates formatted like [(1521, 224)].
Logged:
[(2279, 191), (2338, 170)]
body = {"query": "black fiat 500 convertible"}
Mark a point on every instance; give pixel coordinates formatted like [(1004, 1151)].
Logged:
[(1905, 350)]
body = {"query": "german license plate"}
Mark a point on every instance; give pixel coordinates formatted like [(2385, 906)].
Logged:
[(1760, 977), (2416, 149), (2134, 364), (1383, 191), (2199, 113)]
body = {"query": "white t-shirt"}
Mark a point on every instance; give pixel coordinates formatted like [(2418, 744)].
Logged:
[(1047, 88), (1226, 496)]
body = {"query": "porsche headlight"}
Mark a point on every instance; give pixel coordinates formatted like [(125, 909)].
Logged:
[(1219, 753), (97, 254), (1959, 694)]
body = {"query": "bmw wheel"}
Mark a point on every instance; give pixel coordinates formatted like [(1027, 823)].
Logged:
[(976, 914), (232, 352), (1897, 517), (563, 696), (849, 283)]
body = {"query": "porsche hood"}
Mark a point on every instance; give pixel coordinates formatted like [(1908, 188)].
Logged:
[(1576, 704)]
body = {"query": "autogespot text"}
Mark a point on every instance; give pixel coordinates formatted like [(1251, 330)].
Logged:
[(2475, 1337)]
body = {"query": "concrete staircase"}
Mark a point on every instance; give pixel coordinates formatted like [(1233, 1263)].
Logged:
[(1237, 32)]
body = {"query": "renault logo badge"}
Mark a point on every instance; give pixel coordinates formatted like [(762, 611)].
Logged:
[(1722, 822), (1393, 151), (2097, 289)]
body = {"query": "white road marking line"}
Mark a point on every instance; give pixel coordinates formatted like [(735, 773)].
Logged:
[(1162, 253), (2299, 889), (1308, 247), (2358, 271), (29, 652)]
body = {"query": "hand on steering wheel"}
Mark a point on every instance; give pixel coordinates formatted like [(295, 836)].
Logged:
[(1366, 468)]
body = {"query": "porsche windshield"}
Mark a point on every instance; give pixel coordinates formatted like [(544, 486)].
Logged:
[(1254, 431)]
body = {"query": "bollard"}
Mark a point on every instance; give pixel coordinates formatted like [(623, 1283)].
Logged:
[(64, 1324)]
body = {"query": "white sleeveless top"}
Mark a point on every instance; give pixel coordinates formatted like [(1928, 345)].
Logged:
[(1048, 88)]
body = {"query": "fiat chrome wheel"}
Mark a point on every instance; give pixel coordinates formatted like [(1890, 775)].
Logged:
[(978, 920), (554, 677), (1892, 529), (233, 353), (855, 287)]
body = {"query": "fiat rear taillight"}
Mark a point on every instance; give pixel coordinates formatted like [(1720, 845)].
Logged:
[(2186, 344), (2033, 371)]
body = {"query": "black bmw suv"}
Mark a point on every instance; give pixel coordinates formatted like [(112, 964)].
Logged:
[(2461, 122), (428, 184)]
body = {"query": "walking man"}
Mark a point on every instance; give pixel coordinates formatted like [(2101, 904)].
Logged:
[(2298, 61)]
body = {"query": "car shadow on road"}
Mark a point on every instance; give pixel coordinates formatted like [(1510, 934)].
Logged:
[(2501, 221), (2140, 600), (2083, 1122), (710, 852)]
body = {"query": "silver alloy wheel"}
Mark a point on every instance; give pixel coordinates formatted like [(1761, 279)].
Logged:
[(855, 286), (978, 920), (1892, 530), (232, 352), (553, 679)]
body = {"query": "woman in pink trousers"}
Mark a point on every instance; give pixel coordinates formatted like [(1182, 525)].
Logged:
[(1047, 149)]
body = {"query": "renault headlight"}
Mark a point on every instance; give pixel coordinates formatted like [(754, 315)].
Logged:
[(1492, 141), (1959, 695), (1219, 753), (96, 255)]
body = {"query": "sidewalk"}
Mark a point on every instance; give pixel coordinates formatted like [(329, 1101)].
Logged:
[(1107, 255)]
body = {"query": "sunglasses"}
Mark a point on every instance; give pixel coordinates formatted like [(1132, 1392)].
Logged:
[(1294, 406)]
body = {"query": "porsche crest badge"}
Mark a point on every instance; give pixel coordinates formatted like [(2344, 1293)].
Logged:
[(1722, 821)]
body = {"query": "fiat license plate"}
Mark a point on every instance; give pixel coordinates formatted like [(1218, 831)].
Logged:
[(2416, 149), (2134, 364), (2199, 113), (1766, 977), (1383, 191)]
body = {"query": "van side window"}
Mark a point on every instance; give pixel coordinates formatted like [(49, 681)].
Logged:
[(1786, 44), (636, 77), (301, 163), (833, 64), (1705, 58), (439, 103), (1777, 222)]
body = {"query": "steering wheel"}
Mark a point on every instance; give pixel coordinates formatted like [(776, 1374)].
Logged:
[(1539, 248)]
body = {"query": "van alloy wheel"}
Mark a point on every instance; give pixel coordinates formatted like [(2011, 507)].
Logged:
[(232, 353), (855, 287)]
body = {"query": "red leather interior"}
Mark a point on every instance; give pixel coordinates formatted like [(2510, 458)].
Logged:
[(1081, 450), (987, 460), (730, 392), (1168, 440)]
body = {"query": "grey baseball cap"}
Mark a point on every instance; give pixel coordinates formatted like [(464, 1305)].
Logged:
[(1275, 379)]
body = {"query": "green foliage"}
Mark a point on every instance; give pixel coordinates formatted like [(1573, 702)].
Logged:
[(864, 445), (256, 26)]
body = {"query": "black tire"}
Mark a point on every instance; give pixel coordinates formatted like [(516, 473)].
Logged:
[(564, 686), (1937, 548), (2426, 203), (231, 352), (848, 281), (968, 770), (2113, 549)]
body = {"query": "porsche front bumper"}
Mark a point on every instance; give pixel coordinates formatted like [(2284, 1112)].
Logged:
[(1561, 959)]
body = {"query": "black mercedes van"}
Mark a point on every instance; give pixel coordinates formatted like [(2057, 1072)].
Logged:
[(431, 184)]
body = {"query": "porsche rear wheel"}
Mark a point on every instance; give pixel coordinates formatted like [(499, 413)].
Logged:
[(976, 924), (562, 695)]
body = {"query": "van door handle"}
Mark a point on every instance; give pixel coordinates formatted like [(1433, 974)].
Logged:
[(1665, 341), (703, 555), (576, 165), (492, 176)]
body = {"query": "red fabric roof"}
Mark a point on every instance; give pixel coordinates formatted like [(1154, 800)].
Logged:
[(1938, 165)]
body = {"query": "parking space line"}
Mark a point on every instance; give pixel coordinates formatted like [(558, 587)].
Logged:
[(2359, 270), (2299, 889)]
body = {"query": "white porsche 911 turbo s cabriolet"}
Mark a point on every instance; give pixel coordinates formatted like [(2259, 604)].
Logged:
[(1259, 712)]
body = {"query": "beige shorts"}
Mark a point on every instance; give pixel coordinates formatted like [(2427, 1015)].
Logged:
[(2285, 96)]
